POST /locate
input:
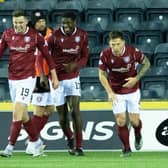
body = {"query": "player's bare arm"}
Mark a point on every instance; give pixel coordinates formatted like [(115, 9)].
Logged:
[(104, 82), (131, 81), (144, 68), (55, 81)]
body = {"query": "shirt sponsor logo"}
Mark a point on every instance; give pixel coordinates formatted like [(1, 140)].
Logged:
[(71, 50), (20, 49), (122, 69)]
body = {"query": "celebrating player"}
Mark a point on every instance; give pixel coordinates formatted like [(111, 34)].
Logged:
[(69, 48), (22, 42), (118, 75)]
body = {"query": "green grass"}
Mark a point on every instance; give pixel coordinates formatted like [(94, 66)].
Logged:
[(90, 160)]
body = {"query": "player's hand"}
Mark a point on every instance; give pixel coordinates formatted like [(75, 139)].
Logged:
[(131, 81), (112, 98), (44, 83), (69, 67), (55, 83)]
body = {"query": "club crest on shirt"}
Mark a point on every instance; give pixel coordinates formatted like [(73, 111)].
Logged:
[(13, 37), (39, 99), (62, 40), (126, 59), (77, 39), (100, 62), (27, 39), (112, 61)]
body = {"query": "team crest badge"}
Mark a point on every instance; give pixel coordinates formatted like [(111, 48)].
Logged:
[(62, 40), (27, 39), (100, 62), (39, 99), (127, 59), (112, 61), (77, 39), (13, 37)]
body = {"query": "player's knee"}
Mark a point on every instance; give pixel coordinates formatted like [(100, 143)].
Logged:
[(50, 109), (134, 122), (48, 112), (62, 121), (17, 117), (121, 122), (73, 115), (39, 114)]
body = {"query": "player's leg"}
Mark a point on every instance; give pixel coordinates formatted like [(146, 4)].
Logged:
[(39, 99), (35, 145), (43, 106), (49, 109), (28, 125), (59, 100), (42, 110), (73, 93), (21, 92), (37, 117), (36, 122), (119, 110), (133, 100), (41, 113), (15, 129), (65, 125), (74, 102)]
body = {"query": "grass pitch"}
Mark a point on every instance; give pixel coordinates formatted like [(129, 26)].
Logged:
[(90, 160)]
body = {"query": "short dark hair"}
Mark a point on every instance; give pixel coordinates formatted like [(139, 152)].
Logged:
[(116, 34), (70, 15), (18, 13)]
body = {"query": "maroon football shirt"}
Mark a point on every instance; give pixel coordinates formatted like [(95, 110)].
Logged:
[(120, 67), (67, 49), (21, 49)]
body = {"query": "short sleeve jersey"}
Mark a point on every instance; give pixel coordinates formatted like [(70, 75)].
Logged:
[(119, 68)]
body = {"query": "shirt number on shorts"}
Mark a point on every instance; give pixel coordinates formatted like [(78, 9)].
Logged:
[(77, 85), (25, 92)]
